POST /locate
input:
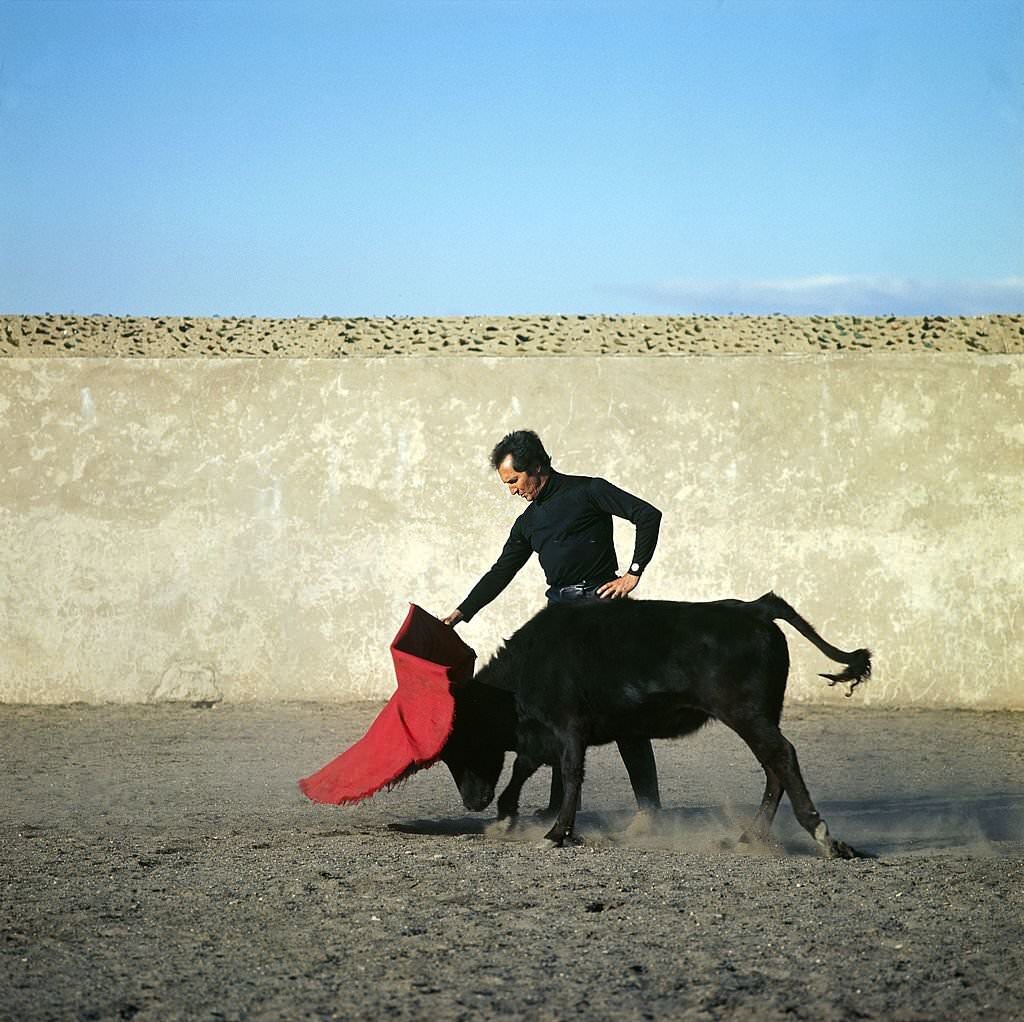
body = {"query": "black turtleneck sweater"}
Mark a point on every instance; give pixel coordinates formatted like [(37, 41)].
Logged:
[(569, 524)]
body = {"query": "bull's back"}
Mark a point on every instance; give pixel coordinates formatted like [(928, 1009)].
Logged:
[(651, 668)]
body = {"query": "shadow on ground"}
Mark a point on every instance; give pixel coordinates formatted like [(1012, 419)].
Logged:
[(895, 827)]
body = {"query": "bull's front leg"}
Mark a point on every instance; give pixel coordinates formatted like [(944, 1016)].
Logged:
[(571, 761), (508, 801), (555, 799)]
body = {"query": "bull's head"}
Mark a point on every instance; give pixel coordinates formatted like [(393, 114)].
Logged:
[(438, 712), (484, 729)]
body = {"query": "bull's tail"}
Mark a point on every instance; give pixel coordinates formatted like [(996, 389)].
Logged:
[(858, 663)]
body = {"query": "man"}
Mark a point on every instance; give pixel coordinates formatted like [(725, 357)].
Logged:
[(569, 525)]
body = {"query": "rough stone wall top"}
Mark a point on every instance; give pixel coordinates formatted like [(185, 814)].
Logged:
[(72, 336)]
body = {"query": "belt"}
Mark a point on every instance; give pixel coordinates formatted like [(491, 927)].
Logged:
[(578, 589)]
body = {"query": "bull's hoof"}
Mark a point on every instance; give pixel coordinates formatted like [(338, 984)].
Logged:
[(841, 850), (548, 845), (832, 848), (553, 840)]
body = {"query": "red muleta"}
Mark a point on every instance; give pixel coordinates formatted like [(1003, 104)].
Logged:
[(410, 732)]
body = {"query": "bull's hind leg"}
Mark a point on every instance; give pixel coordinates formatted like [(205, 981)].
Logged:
[(777, 755), (758, 828)]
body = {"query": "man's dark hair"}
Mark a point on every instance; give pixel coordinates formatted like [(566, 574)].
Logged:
[(528, 454)]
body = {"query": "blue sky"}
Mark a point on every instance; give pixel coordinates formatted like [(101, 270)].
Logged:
[(451, 157)]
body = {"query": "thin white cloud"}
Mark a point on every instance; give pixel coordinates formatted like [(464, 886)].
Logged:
[(835, 294)]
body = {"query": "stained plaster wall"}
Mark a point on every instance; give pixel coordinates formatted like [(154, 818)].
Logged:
[(254, 529)]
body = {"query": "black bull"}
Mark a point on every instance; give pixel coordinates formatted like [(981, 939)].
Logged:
[(600, 671)]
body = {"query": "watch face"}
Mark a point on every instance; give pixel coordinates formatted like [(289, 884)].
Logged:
[(634, 566)]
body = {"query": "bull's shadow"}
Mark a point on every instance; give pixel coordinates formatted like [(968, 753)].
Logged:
[(886, 827), (698, 829), (909, 825)]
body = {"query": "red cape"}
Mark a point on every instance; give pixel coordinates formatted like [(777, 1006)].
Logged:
[(410, 732)]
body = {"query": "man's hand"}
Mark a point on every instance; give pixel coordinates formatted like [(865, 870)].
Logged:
[(619, 588), (453, 618)]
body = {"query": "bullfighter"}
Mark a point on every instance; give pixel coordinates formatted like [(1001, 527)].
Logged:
[(569, 525)]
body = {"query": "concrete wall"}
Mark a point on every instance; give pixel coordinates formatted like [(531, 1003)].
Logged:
[(253, 529)]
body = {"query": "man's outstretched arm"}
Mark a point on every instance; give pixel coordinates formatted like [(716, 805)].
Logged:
[(515, 553)]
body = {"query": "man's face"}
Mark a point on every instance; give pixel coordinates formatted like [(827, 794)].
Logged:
[(520, 484)]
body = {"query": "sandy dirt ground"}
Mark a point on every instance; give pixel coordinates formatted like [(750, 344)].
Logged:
[(159, 863)]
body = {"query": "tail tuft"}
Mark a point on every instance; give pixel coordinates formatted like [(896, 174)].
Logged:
[(858, 671)]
